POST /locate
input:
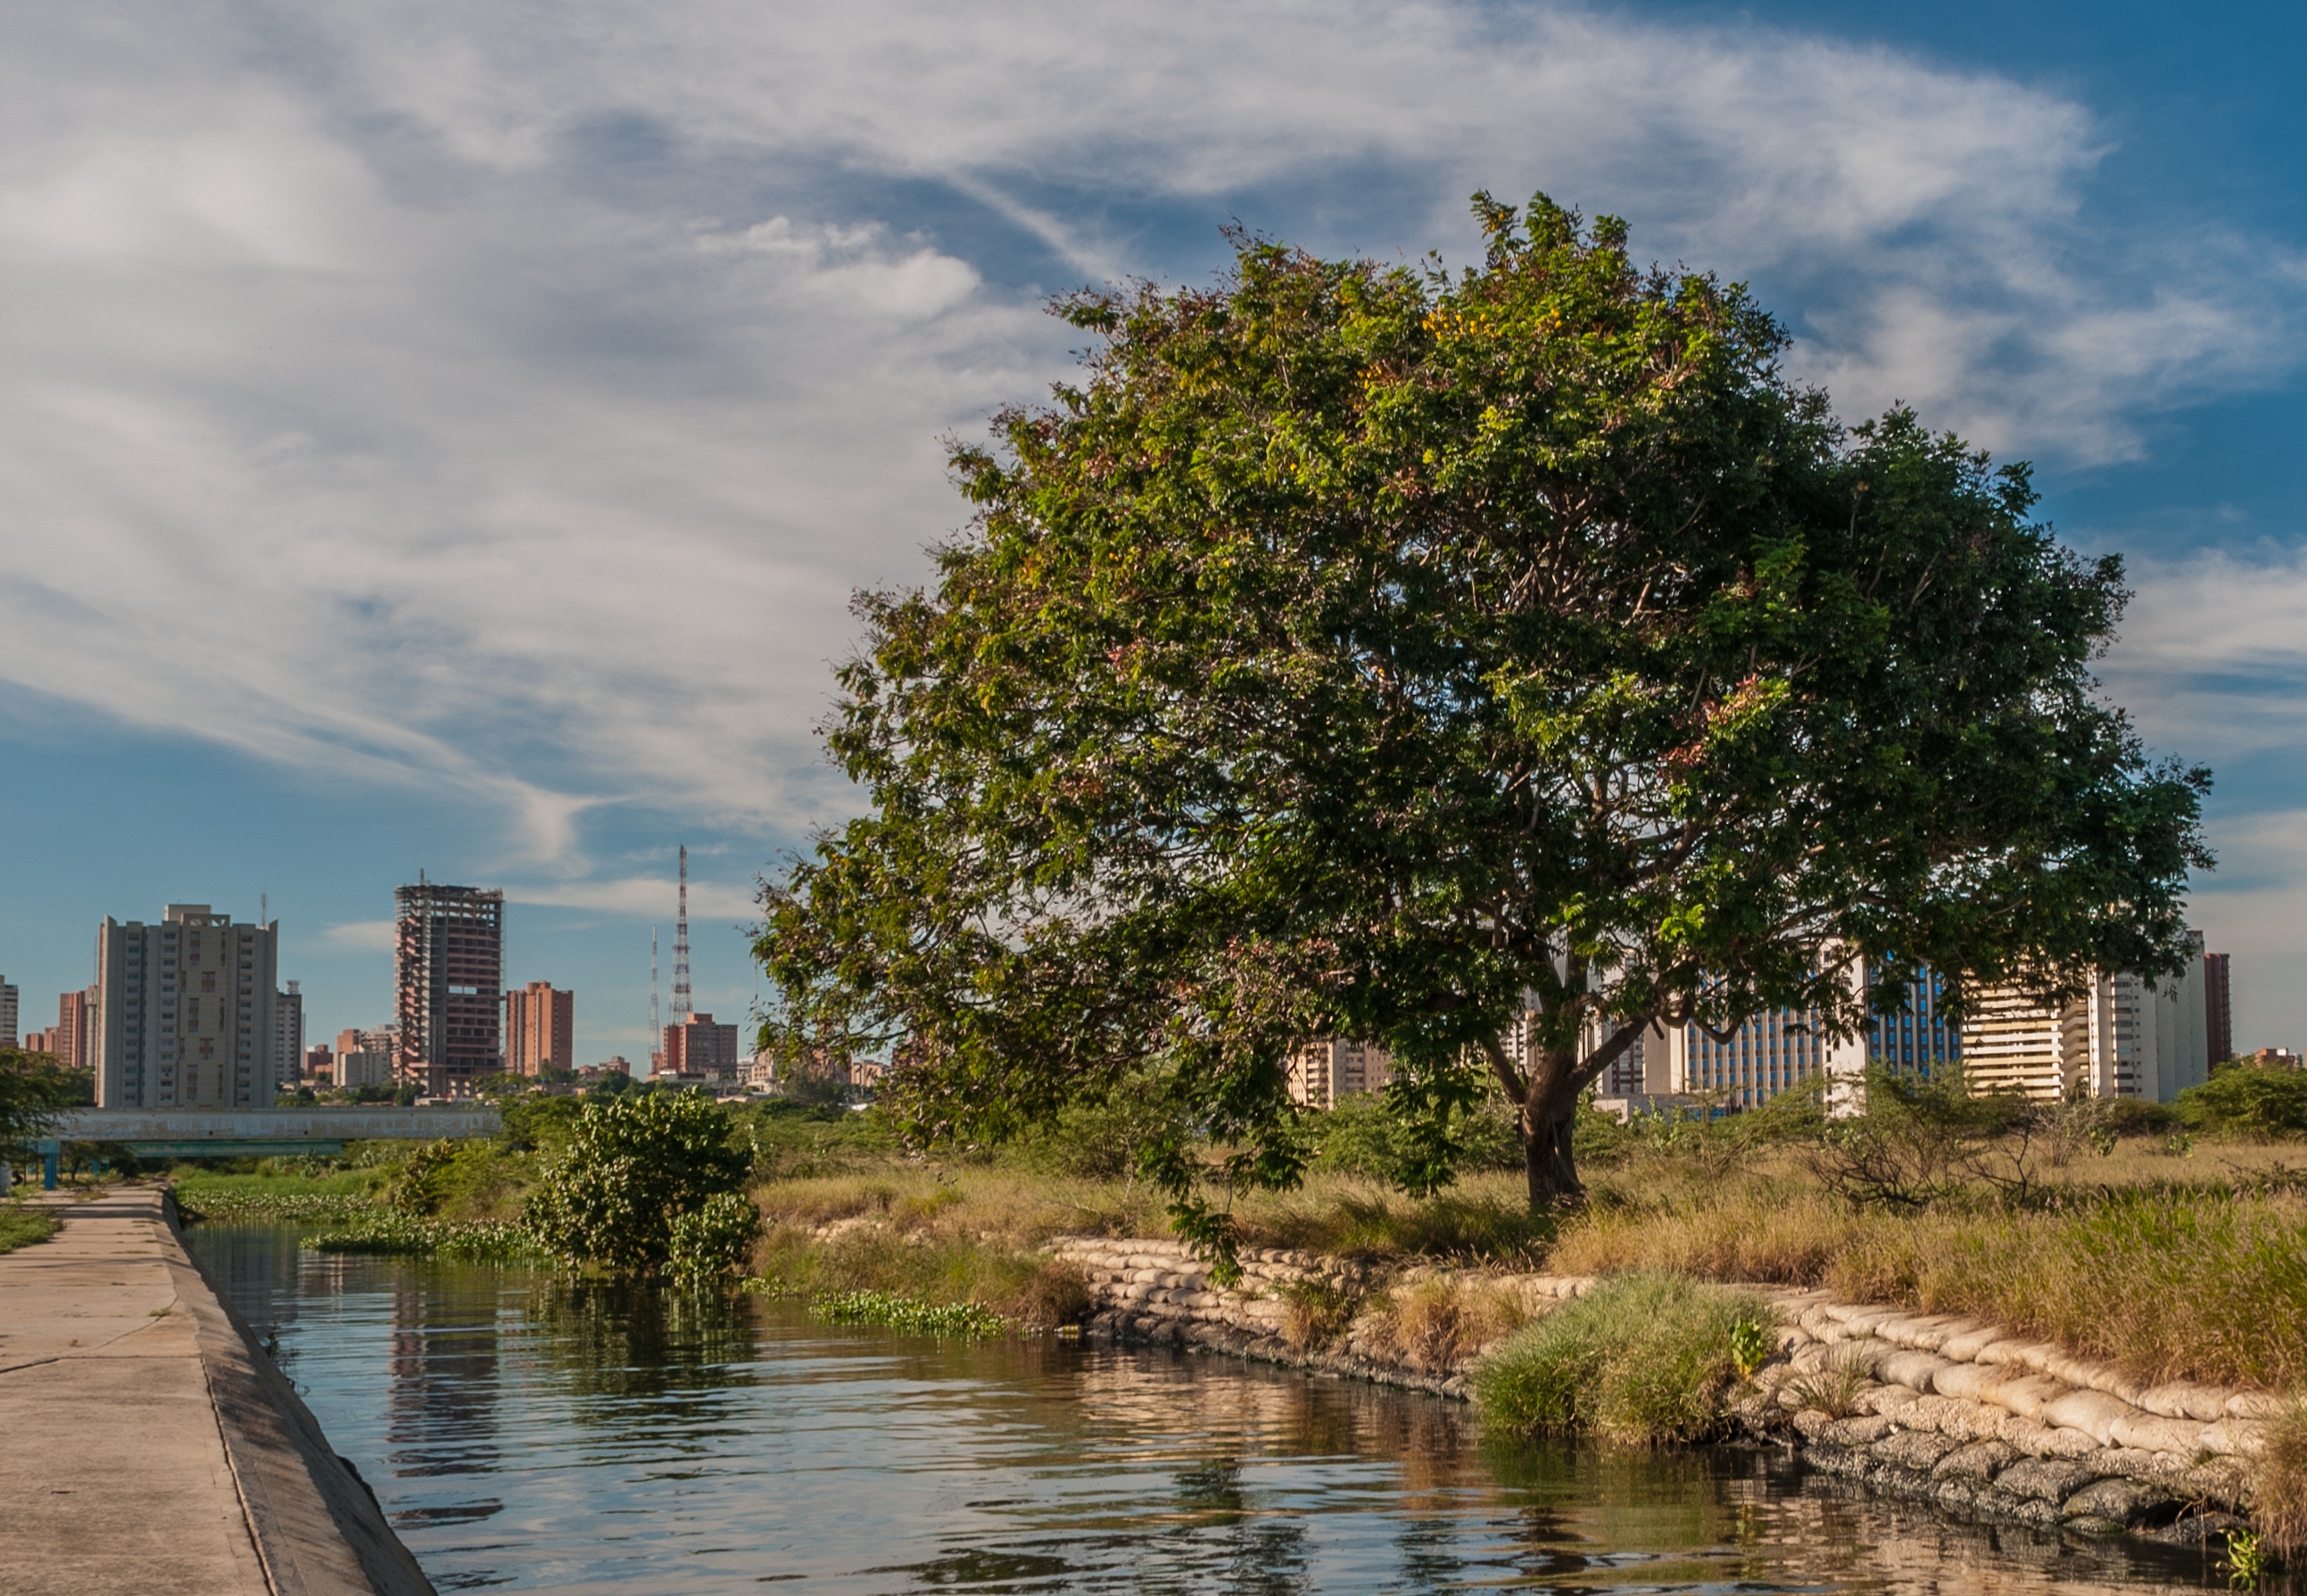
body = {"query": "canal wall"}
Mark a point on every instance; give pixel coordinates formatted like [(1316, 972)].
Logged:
[(152, 1445), (1932, 1407)]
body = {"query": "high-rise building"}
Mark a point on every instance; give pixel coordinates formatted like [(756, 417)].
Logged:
[(700, 1047), (9, 1018), (184, 1011), (540, 1029), (73, 1038), (2124, 1037), (319, 1059), (449, 967), (365, 1058), (1325, 1070), (288, 1030), (2218, 1009)]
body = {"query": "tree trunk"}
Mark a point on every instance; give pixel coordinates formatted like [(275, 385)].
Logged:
[(1548, 1116), (1546, 1159)]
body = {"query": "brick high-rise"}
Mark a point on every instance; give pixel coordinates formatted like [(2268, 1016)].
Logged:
[(700, 1047), (449, 973), (2218, 1011), (540, 1029)]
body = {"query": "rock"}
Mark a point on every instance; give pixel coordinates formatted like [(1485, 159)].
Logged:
[(2184, 1399), (2200, 1527), (1917, 1449), (1979, 1461), (1811, 1422), (2130, 1503), (2088, 1525), (2032, 1510), (2044, 1479), (1963, 1381), (1958, 1496), (1855, 1432)]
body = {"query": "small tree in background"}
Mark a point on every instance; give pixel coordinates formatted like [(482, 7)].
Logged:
[(1379, 652), (634, 1166), (35, 1088)]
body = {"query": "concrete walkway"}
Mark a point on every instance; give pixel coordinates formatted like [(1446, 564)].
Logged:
[(146, 1446)]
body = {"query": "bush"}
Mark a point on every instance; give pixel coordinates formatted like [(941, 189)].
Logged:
[(635, 1163), (1371, 1136), (1434, 1323), (2242, 1100), (2280, 1509), (713, 1241), (1642, 1360)]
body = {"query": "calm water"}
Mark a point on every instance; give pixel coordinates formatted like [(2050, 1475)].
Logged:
[(527, 1433)]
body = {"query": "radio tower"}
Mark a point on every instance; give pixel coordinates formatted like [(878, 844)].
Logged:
[(657, 1031), (681, 947)]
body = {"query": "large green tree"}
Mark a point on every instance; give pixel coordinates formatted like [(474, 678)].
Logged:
[(1399, 653)]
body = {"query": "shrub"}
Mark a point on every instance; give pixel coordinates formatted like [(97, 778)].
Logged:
[(634, 1164), (1314, 1313), (408, 1235), (2242, 1101), (1434, 1324), (711, 1242), (1642, 1360)]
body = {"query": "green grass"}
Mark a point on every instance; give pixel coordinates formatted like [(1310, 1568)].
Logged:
[(22, 1227), (1644, 1358)]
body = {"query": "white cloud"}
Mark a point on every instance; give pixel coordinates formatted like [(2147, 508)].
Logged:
[(507, 399), (366, 936)]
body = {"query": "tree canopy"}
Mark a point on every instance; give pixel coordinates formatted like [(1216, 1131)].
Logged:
[(1430, 658)]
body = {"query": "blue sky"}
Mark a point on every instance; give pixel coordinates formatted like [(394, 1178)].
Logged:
[(446, 436)]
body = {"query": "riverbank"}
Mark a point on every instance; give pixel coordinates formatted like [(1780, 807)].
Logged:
[(152, 1445), (1944, 1409)]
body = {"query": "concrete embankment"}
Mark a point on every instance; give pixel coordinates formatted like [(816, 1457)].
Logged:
[(150, 1446), (1949, 1409)]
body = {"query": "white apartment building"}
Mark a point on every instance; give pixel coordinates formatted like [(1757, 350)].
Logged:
[(1323, 1071), (185, 1011), (2125, 1036)]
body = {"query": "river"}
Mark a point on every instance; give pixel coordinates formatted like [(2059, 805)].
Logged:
[(532, 1434)]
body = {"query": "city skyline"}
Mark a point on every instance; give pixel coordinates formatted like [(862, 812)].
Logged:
[(669, 315)]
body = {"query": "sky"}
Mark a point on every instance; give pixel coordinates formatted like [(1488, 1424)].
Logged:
[(447, 437)]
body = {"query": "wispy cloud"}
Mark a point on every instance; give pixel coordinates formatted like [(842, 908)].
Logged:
[(509, 400)]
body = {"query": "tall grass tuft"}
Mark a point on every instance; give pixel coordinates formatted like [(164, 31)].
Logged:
[(2280, 1510), (1644, 1360), (1436, 1324)]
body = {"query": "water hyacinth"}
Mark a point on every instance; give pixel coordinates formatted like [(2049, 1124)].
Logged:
[(909, 1313), (404, 1235)]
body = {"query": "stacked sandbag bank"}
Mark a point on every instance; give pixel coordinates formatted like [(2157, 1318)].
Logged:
[(1931, 1407)]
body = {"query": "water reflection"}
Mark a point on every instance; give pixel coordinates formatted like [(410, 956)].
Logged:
[(554, 1436)]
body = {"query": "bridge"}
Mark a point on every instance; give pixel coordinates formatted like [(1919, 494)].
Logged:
[(253, 1133)]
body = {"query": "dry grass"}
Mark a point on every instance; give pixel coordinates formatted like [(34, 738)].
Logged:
[(1437, 1322), (2167, 1281), (2281, 1510), (1314, 1313)]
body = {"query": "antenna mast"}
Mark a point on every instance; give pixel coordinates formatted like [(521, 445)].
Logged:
[(657, 1031), (681, 947)]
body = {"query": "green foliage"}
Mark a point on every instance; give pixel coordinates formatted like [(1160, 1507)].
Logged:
[(1751, 1346), (1642, 1360), (20, 1226), (2240, 1100), (633, 1165), (416, 1187), (210, 1205), (1925, 1141), (1379, 1137), (712, 1241), (1359, 650), (796, 1140), (401, 1234), (34, 1088), (2247, 1563), (910, 1314)]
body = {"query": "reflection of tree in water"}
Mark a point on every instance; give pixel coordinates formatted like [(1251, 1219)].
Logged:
[(440, 1405), (1262, 1556), (618, 1343)]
